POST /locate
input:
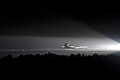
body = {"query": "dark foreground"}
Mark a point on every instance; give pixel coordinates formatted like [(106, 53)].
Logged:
[(52, 64)]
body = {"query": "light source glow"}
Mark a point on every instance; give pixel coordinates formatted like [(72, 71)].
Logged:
[(111, 47)]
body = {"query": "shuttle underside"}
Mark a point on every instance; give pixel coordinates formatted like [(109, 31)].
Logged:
[(68, 46)]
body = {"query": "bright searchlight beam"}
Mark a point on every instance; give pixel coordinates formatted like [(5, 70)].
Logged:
[(113, 47), (110, 47)]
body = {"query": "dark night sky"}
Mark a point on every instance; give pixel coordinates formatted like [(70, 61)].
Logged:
[(60, 22), (22, 21)]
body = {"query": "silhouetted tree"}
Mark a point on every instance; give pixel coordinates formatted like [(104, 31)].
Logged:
[(79, 55), (95, 54), (93, 62)]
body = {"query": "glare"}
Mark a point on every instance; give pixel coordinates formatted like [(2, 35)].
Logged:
[(114, 47), (111, 47)]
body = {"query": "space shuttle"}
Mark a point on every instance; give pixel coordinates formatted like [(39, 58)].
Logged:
[(69, 46)]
